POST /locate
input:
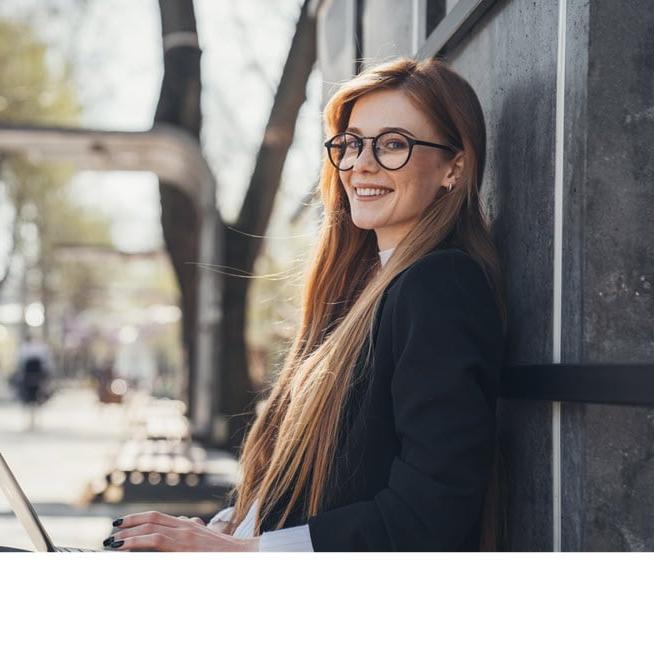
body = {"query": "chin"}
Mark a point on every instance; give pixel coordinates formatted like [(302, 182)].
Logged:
[(367, 222)]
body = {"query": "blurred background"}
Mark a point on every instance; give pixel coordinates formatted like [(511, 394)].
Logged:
[(100, 260)]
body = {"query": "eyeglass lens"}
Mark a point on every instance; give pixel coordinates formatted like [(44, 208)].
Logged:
[(392, 150)]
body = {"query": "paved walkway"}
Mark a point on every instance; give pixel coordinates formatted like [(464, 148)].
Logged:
[(75, 441)]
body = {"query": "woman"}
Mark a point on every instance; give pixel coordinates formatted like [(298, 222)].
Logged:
[(379, 433)]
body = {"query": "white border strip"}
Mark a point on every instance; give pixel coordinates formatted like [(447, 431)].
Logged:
[(558, 272)]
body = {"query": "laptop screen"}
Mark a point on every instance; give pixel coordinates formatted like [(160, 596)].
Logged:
[(23, 509)]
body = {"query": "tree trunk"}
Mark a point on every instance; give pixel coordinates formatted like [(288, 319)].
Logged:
[(238, 393), (179, 105)]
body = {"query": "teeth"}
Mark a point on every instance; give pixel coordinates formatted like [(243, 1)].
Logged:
[(372, 191)]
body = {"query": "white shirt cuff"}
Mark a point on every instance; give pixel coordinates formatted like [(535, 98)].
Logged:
[(290, 539), (222, 516)]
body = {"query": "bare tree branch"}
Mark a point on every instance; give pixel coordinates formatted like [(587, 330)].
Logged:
[(291, 93)]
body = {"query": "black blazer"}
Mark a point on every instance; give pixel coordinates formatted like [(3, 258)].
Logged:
[(414, 455)]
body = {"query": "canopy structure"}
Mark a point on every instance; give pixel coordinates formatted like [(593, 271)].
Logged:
[(176, 159)]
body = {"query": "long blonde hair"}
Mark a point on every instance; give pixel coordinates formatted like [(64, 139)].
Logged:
[(287, 454)]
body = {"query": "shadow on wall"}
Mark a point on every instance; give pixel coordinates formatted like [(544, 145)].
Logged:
[(520, 200)]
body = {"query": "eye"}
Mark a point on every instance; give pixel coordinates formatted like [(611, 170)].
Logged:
[(392, 142), (345, 142), (351, 143), (395, 144)]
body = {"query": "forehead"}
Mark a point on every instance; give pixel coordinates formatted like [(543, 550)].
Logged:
[(385, 108)]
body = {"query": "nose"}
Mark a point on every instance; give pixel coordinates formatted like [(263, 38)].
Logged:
[(366, 160)]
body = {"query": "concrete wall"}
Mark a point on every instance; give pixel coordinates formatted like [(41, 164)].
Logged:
[(573, 224), (618, 271)]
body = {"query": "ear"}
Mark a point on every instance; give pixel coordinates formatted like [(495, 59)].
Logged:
[(454, 170)]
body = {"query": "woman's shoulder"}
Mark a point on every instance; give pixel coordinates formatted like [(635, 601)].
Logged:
[(442, 268), (444, 285), (439, 258)]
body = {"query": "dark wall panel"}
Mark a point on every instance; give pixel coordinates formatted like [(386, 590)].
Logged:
[(618, 309), (510, 60)]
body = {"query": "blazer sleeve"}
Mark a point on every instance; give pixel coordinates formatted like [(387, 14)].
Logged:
[(448, 346)]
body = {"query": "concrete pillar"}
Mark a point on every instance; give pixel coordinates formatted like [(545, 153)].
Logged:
[(611, 506), (568, 90)]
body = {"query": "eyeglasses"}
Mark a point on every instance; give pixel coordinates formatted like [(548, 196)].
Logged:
[(392, 150)]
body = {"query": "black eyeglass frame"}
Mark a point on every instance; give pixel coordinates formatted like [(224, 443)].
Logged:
[(412, 142)]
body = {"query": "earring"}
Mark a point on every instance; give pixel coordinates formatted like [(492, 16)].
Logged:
[(449, 187)]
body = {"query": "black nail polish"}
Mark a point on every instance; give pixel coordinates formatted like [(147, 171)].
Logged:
[(108, 541), (117, 522), (116, 544)]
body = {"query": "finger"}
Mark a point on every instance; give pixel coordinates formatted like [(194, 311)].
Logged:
[(147, 543), (146, 529), (148, 517)]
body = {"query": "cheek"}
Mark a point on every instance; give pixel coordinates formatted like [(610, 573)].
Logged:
[(414, 197), (345, 180)]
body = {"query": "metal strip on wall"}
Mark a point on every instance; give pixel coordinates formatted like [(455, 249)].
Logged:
[(619, 384), (558, 271)]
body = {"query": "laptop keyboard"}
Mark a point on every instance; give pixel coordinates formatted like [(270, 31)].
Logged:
[(73, 549)]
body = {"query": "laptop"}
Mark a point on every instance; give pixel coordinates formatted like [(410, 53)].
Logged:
[(26, 514)]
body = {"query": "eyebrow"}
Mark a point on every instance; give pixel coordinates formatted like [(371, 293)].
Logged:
[(383, 129)]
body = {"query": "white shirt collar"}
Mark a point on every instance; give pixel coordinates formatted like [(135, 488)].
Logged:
[(384, 255)]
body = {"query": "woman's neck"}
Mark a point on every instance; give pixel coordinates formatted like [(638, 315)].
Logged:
[(384, 255)]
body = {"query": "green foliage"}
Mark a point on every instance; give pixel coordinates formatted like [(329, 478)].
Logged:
[(80, 277), (30, 91)]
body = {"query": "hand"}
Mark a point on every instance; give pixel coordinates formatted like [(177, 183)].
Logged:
[(219, 526), (158, 532)]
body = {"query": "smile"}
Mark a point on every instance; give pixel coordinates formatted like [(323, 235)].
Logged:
[(362, 192)]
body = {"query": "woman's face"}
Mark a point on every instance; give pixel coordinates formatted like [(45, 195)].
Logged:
[(405, 192)]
